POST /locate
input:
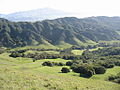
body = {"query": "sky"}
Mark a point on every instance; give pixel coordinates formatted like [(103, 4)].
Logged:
[(83, 7)]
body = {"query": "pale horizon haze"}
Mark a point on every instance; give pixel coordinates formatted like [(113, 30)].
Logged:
[(85, 8)]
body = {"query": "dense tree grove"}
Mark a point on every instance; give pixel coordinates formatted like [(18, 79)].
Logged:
[(107, 51), (39, 56), (107, 57), (109, 44)]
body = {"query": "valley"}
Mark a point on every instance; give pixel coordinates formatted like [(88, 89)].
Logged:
[(61, 54), (18, 73)]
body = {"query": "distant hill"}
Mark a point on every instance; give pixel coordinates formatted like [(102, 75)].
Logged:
[(36, 15), (68, 30)]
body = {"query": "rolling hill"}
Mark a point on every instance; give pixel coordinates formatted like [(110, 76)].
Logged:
[(66, 31)]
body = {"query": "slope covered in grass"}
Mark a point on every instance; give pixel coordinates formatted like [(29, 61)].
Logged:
[(23, 74), (58, 32)]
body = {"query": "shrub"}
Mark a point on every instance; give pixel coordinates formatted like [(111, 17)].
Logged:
[(115, 78), (84, 70), (107, 65), (87, 74), (69, 63), (79, 69), (111, 66), (65, 70), (111, 78), (60, 64), (16, 55), (34, 60), (99, 69), (117, 63), (48, 63)]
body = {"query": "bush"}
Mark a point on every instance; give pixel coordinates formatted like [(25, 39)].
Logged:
[(60, 64), (117, 63), (48, 63), (79, 69), (84, 70), (65, 70), (111, 78), (99, 69), (34, 60), (115, 78), (111, 66), (16, 55), (107, 65), (69, 63), (87, 74)]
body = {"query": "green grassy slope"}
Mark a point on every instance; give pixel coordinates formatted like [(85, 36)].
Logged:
[(77, 52), (60, 32), (23, 74)]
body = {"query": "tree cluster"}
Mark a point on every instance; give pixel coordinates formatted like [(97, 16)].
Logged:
[(87, 70), (51, 64)]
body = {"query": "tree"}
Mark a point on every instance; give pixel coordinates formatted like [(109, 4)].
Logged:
[(69, 63), (65, 70), (107, 65), (48, 63), (34, 60), (60, 64), (99, 69), (85, 70)]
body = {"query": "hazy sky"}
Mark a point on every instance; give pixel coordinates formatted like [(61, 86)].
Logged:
[(84, 7)]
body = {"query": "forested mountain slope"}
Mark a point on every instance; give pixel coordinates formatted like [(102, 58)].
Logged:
[(68, 30)]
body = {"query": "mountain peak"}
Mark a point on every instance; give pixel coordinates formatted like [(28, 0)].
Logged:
[(36, 15)]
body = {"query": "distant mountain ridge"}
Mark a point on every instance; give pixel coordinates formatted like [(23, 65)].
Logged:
[(36, 15), (67, 31)]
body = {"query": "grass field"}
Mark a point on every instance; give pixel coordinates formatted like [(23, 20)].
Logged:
[(24, 74), (49, 52), (79, 52)]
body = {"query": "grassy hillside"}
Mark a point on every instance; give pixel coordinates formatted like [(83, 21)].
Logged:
[(62, 32), (77, 52), (23, 74)]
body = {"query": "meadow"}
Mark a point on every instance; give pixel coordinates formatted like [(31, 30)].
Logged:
[(24, 74)]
